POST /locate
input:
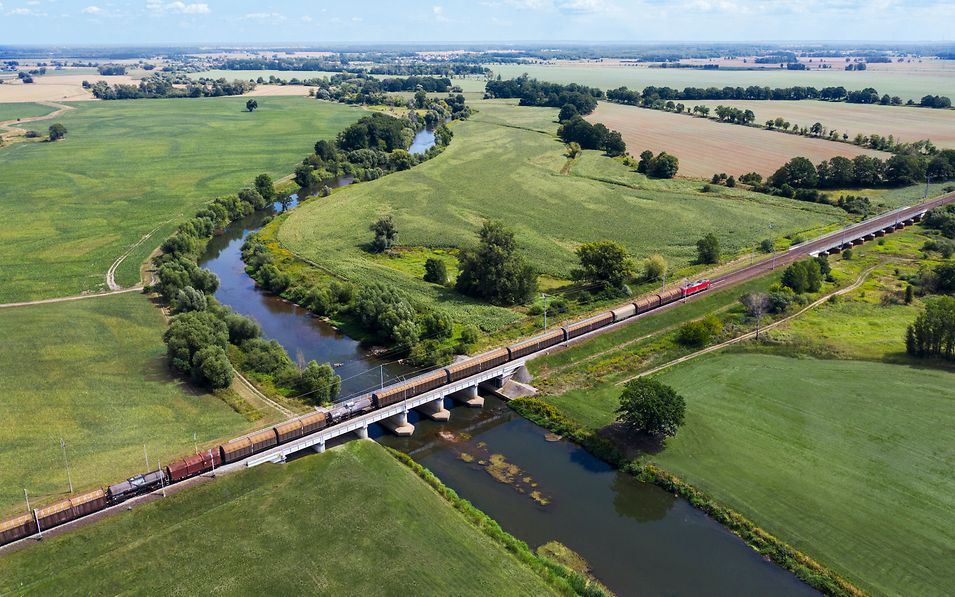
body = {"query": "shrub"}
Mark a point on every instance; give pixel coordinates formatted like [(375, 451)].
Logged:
[(708, 249), (435, 271), (699, 333)]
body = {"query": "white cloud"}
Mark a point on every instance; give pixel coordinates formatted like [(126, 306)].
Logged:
[(93, 10), (159, 7), (264, 16), (24, 12), (582, 7), (438, 13), (306, 19)]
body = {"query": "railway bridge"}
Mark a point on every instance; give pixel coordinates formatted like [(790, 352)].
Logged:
[(395, 417)]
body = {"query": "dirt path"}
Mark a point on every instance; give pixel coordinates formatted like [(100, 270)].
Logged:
[(10, 126), (246, 385), (859, 281), (64, 299), (111, 272)]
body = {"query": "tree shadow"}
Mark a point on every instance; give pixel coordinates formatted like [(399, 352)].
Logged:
[(633, 444)]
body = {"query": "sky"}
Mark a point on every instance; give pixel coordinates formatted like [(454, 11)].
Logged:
[(105, 22)]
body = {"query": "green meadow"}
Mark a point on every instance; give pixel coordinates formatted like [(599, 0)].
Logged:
[(93, 372), (907, 84), (506, 163), (350, 521), (12, 111), (128, 167)]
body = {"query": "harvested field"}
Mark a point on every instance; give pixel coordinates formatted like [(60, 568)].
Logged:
[(61, 87), (905, 123), (705, 147)]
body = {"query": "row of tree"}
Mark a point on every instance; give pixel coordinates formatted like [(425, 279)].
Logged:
[(537, 93), (161, 86), (590, 136), (869, 95), (864, 171)]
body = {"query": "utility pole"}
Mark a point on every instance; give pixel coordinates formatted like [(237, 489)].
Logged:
[(212, 459), (928, 177), (146, 456), (69, 477), (771, 226), (195, 443), (162, 485), (381, 374), (27, 498), (544, 296)]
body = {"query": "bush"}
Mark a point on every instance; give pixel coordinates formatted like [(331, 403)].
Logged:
[(766, 245), (803, 276), (211, 368), (708, 249), (496, 271), (435, 271), (699, 333), (191, 332), (654, 267)]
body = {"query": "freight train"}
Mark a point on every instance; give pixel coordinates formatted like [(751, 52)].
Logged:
[(41, 519)]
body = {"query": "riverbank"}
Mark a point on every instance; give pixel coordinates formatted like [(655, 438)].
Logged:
[(372, 523)]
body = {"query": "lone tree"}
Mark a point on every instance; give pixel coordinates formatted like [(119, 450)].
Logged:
[(57, 132), (756, 304), (385, 234), (251, 105), (495, 271), (708, 249), (265, 187), (604, 263), (655, 267), (651, 407), (435, 271)]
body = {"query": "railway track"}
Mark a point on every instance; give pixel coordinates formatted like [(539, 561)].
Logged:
[(464, 370)]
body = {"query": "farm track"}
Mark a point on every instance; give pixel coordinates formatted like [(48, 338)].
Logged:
[(11, 125), (858, 282), (64, 299), (111, 272), (255, 391)]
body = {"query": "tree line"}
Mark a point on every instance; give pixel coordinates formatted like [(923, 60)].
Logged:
[(869, 95), (161, 86), (537, 93), (204, 339)]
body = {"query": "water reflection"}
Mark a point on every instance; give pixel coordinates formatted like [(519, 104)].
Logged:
[(637, 538)]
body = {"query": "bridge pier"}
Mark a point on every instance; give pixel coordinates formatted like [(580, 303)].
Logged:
[(319, 447), (435, 410), (362, 432), (522, 375), (398, 424), (469, 396)]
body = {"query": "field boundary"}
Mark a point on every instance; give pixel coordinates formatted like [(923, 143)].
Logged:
[(858, 282), (75, 297)]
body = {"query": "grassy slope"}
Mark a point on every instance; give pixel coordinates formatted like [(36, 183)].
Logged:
[(128, 166), (23, 110), (352, 521), (850, 461), (907, 85), (94, 373), (505, 163)]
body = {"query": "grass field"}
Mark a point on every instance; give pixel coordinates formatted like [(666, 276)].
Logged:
[(848, 461), (127, 167), (935, 78), (904, 123), (351, 521), (22, 110), (505, 163), (705, 147), (93, 373)]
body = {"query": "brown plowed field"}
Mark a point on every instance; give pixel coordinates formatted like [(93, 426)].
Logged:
[(705, 147), (904, 122)]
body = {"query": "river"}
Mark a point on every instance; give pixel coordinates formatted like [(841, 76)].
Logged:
[(637, 538)]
